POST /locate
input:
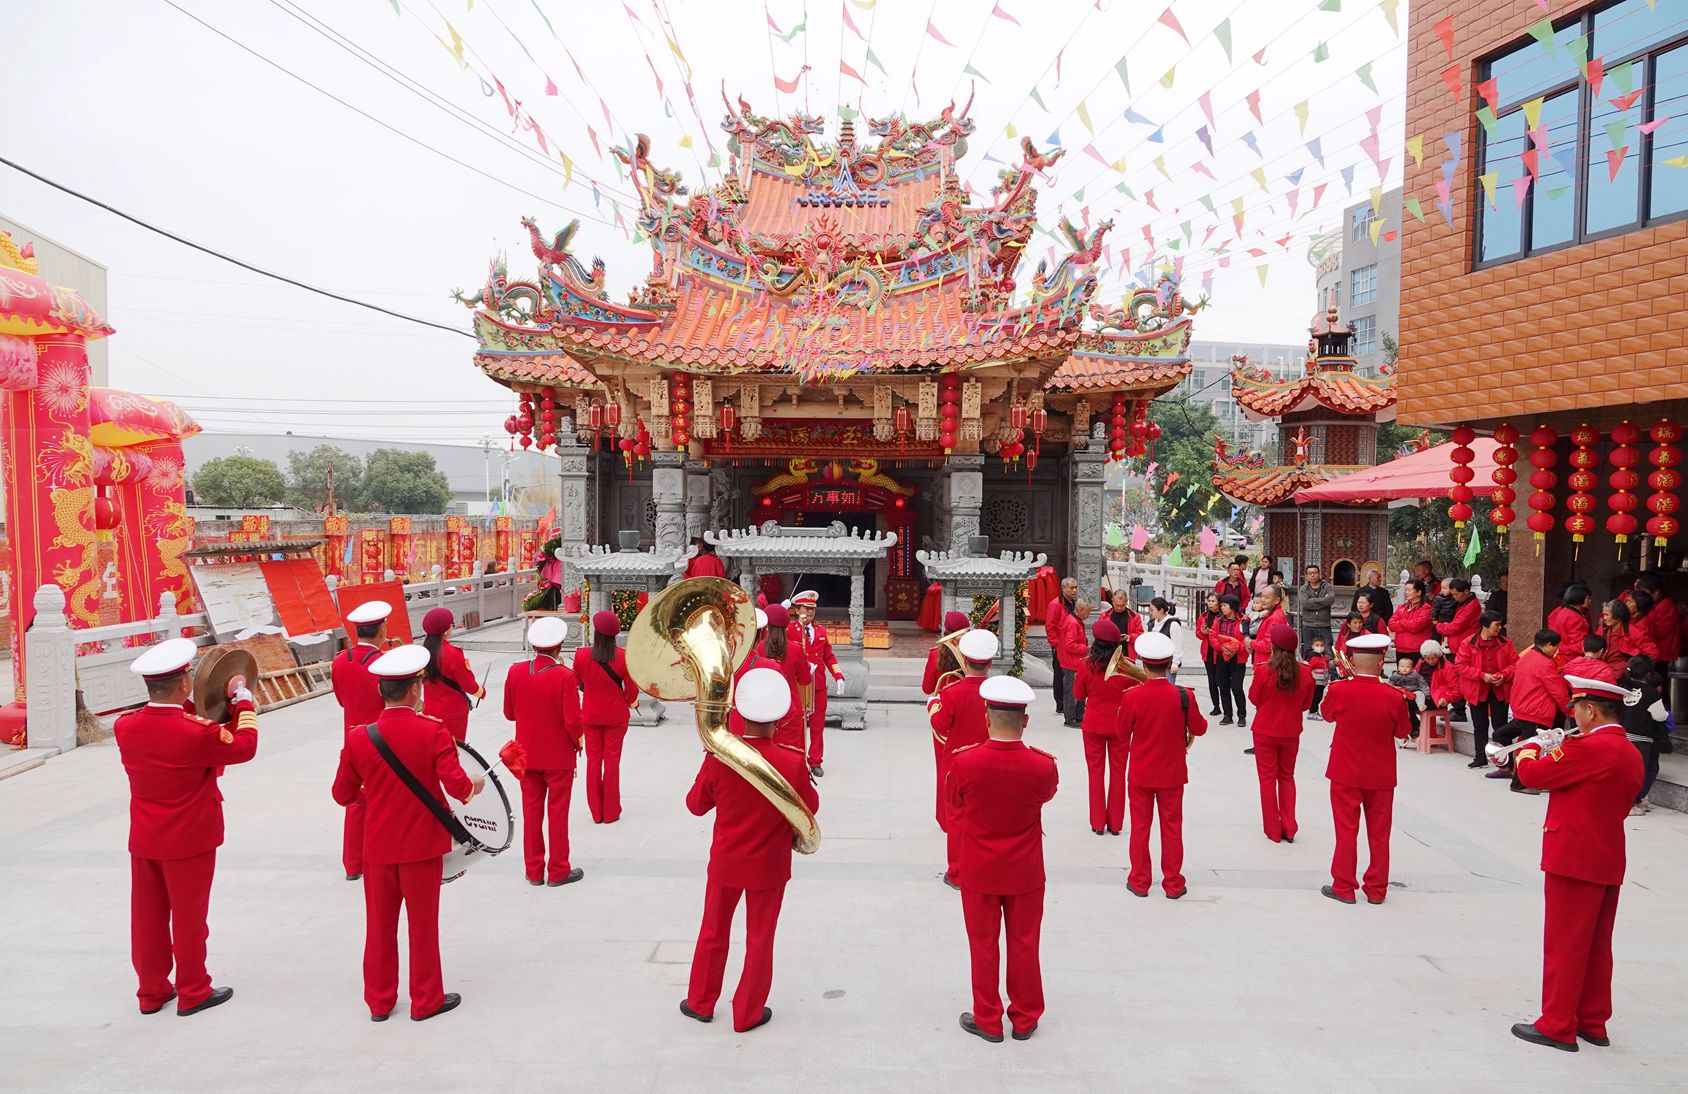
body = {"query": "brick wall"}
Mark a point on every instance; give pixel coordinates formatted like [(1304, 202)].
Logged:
[(1601, 324)]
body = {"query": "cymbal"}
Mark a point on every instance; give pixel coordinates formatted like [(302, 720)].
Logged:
[(211, 679)]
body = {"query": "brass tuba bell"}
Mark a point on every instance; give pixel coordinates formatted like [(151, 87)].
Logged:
[(1121, 665), (686, 645), (951, 642)]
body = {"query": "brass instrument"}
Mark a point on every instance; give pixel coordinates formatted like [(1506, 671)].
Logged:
[(1121, 665), (1548, 739), (952, 642), (1342, 661), (685, 646)]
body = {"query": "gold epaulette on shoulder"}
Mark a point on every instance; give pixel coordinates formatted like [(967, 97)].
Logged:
[(202, 721), (964, 748), (432, 718), (789, 748)]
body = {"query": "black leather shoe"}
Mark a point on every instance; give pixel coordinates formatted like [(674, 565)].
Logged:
[(162, 1005), (1248, 752), (1474, 764), (536, 881), (816, 771), (380, 1017), (353, 877), (1224, 721), (1244, 725), (1144, 893), (574, 875), (1179, 895), (1334, 895), (686, 1009), (1113, 831), (1597, 1042), (217, 998), (1024, 1034), (1289, 839), (1098, 831), (1214, 713), (767, 1016), (1527, 1031), (972, 1027), (452, 999), (1372, 900), (1498, 773), (952, 883)]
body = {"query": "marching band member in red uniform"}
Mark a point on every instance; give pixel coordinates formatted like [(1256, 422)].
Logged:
[(173, 760), (779, 649), (750, 857), (1591, 779), (812, 639), (940, 659), (1104, 747), (1369, 718), (449, 685), (608, 698), (542, 697), (735, 723), (1156, 718), (997, 790), (360, 704), (958, 720), (1281, 691), (403, 840)]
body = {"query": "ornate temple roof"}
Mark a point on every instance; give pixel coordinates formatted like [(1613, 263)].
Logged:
[(1330, 380), (1007, 566), (828, 261), (771, 540), (1272, 485)]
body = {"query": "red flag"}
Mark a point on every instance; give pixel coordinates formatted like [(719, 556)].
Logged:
[(844, 67), (1171, 20), (1490, 91), (550, 86), (1450, 77), (1000, 14), (790, 86), (933, 32), (1206, 101), (851, 23), (1596, 74), (1444, 29), (770, 17), (1253, 100), (1260, 58)]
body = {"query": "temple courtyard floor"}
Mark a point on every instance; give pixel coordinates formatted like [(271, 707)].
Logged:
[(1252, 982)]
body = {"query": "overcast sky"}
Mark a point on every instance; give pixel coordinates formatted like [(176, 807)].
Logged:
[(138, 105)]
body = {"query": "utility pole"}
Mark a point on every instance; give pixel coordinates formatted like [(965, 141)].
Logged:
[(486, 468)]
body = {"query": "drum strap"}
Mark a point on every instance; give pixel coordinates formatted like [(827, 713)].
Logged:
[(613, 675), (440, 812)]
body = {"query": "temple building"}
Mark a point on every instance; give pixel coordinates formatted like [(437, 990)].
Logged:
[(1328, 422), (836, 331)]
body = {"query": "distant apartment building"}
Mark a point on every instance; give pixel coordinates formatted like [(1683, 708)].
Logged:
[(1209, 382), (1359, 270)]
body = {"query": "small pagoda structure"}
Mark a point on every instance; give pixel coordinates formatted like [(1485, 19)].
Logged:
[(1328, 423), (835, 331)]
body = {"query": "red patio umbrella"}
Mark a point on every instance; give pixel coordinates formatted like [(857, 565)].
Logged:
[(1420, 475)]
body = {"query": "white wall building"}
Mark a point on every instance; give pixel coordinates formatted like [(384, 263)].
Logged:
[(1365, 276), (1209, 382)]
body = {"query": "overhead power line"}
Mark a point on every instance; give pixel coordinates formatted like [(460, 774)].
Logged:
[(214, 253)]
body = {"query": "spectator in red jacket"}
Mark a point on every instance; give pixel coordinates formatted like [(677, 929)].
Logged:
[(1438, 674), (1054, 612), (1269, 603), (1623, 639), (1591, 664), (1467, 610), (1071, 648), (1234, 584), (1206, 621), (1411, 625), (1570, 621), (1664, 623), (1485, 666), (1540, 697)]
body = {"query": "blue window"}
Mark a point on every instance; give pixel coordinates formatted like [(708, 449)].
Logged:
[(1365, 335), (1608, 150)]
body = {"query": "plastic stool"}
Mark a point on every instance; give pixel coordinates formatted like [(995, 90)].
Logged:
[(1428, 738)]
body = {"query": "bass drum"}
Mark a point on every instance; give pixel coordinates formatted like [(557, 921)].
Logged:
[(488, 826)]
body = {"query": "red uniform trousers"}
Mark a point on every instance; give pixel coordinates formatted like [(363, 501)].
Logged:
[(1144, 802), (817, 721), (1576, 974), (168, 901), (938, 766), (709, 960), (1105, 758), (416, 885), (1346, 803), (985, 914), (351, 847), (545, 795), (603, 771), (1274, 762)]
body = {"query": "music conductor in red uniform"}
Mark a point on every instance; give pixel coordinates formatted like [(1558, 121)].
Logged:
[(1157, 719), (542, 697), (403, 839), (958, 719), (817, 647), (173, 759), (360, 704), (1592, 777), (997, 790), (1368, 717), (750, 857)]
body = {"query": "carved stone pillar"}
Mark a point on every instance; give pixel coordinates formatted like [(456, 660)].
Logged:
[(858, 605), (668, 491), (575, 523), (50, 673), (964, 496), (698, 496), (1084, 533), (1006, 630)]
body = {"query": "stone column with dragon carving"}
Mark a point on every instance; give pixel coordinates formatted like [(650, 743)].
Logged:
[(668, 492), (698, 497), (1084, 532), (964, 496), (575, 523)]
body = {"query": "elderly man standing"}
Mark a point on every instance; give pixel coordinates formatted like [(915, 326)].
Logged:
[(1054, 617), (1313, 601)]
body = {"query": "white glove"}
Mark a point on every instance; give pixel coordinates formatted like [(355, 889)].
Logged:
[(838, 686), (243, 695), (1657, 710)]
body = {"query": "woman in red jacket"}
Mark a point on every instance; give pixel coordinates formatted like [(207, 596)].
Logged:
[(778, 651), (1206, 620), (1230, 639), (1623, 639), (1570, 619), (1281, 691), (448, 684), (1411, 624), (608, 698), (1104, 747), (1485, 665)]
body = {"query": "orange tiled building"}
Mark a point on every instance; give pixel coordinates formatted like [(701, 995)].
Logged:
[(1547, 282), (836, 330)]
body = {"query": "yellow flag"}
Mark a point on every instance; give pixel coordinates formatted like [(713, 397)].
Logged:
[(1237, 211), (1259, 176), (1488, 179), (1415, 149), (1118, 165), (568, 170), (1376, 201), (686, 141), (1260, 271), (1532, 112), (1376, 227), (1084, 116), (1166, 81), (1008, 131), (863, 4), (1160, 165), (1301, 115)]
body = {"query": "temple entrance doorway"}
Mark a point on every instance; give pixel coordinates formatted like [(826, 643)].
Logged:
[(835, 588)]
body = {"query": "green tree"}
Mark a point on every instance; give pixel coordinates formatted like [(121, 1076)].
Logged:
[(397, 481), (242, 481), (308, 477), (1185, 448)]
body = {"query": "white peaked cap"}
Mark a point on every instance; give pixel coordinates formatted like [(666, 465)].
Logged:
[(400, 662), (1154, 647), (370, 611), (547, 632), (762, 695), (761, 620), (1006, 691), (165, 659), (1368, 643), (1583, 686), (978, 645)]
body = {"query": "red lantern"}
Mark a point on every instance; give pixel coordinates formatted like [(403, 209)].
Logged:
[(1581, 481), (1623, 480), (1017, 416), (1664, 479), (949, 410), (903, 419), (1116, 432), (1506, 454), (1461, 493), (612, 414)]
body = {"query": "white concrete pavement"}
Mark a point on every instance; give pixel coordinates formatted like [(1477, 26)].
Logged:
[(1252, 982)]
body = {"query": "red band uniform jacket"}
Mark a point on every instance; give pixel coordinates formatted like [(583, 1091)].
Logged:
[(602, 702), (398, 828), (1368, 717), (173, 759), (542, 697), (449, 698), (1592, 781), (751, 848), (355, 688), (1153, 722), (996, 791)]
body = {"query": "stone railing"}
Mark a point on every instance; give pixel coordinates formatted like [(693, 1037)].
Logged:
[(61, 659)]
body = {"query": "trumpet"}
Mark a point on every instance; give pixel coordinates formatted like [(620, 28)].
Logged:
[(951, 642), (1121, 665), (1547, 740), (685, 645)]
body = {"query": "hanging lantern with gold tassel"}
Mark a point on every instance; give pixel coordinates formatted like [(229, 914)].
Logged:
[(1462, 474), (1506, 454), (1664, 480), (1582, 481), (1542, 481), (1623, 480)]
